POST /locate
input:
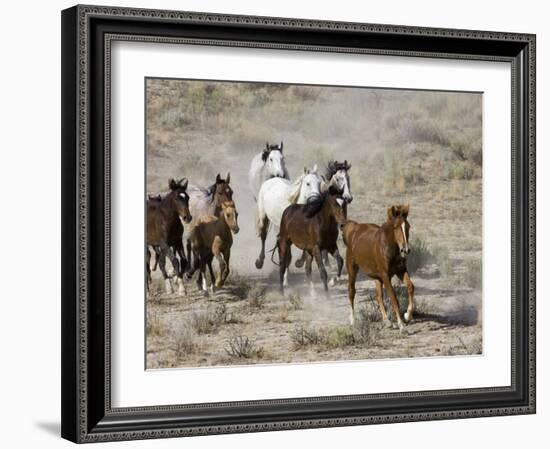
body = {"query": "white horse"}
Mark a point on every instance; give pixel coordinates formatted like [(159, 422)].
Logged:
[(275, 195), (337, 178), (270, 163)]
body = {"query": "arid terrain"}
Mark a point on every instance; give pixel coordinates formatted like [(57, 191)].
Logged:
[(421, 148)]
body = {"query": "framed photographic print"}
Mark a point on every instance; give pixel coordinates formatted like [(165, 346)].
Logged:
[(275, 224)]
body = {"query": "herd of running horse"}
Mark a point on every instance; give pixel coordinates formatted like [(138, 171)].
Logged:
[(309, 213)]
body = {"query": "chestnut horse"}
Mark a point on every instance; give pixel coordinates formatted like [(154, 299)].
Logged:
[(380, 252), (211, 238), (312, 227), (165, 230)]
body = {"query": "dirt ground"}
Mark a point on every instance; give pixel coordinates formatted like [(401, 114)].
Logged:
[(248, 321)]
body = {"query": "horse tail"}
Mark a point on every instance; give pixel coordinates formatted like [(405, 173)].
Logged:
[(272, 251)]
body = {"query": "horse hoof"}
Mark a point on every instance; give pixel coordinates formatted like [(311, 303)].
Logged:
[(168, 287), (407, 317), (332, 282), (299, 263), (259, 264), (387, 323)]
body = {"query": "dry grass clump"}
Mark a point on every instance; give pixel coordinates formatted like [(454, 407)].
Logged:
[(296, 301), (240, 285), (184, 341), (154, 325), (209, 320), (420, 255), (256, 297), (242, 347), (302, 336)]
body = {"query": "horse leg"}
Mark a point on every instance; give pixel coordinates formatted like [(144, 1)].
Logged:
[(394, 302), (217, 252), (300, 262), (326, 260), (148, 267), (164, 251), (309, 264), (321, 266), (339, 265), (410, 290), (263, 235), (284, 260), (353, 269), (157, 257), (189, 254), (226, 255), (212, 276), (380, 300), (183, 265)]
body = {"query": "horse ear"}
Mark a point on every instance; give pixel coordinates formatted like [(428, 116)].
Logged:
[(306, 171), (228, 178), (281, 147), (184, 185), (218, 178), (346, 165), (172, 184), (314, 169), (405, 211), (267, 146), (391, 212)]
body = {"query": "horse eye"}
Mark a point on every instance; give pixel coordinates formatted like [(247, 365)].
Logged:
[(307, 184)]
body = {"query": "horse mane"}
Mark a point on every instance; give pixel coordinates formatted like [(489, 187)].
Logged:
[(314, 204), (295, 192), (333, 166)]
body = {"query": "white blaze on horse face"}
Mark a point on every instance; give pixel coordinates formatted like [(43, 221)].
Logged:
[(340, 201), (406, 246), (183, 195), (275, 164)]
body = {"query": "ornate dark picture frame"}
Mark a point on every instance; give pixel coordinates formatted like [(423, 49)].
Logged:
[(87, 34)]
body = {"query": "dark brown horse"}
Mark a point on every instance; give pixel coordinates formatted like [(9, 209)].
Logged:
[(312, 227), (165, 230), (380, 252), (211, 238), (205, 202)]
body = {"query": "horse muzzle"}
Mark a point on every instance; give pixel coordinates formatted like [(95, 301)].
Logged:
[(187, 218), (235, 230), (404, 252)]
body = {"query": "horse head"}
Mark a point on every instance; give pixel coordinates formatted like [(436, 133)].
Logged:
[(221, 190), (309, 185), (338, 175), (397, 217), (230, 215), (181, 198), (274, 161)]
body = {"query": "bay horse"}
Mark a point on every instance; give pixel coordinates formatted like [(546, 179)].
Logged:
[(211, 238), (337, 174), (205, 202), (165, 230), (380, 252), (312, 227), (275, 195), (270, 163)]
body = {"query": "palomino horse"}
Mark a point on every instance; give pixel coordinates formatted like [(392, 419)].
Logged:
[(165, 230), (275, 195), (337, 174), (205, 202), (270, 163), (380, 252), (212, 238), (312, 227)]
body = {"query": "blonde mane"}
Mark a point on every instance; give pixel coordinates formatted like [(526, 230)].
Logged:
[(296, 187)]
